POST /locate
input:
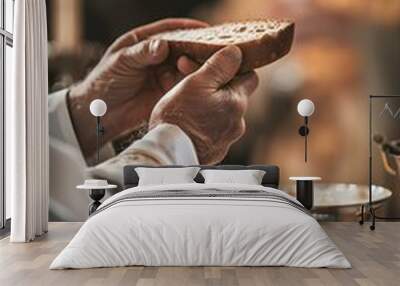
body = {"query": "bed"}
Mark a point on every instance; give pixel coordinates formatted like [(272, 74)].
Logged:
[(201, 224)]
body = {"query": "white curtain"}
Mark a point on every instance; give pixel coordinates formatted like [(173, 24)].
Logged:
[(27, 124)]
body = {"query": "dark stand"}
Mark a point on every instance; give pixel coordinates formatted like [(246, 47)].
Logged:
[(371, 207), (96, 195), (99, 132), (304, 131), (305, 193)]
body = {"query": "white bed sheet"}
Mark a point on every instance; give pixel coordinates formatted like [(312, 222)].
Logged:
[(200, 231)]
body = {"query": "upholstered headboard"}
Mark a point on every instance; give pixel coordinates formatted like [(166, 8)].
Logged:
[(271, 177)]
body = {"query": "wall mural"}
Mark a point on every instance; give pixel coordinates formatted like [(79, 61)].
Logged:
[(335, 64)]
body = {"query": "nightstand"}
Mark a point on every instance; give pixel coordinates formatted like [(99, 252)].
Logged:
[(97, 190), (305, 190)]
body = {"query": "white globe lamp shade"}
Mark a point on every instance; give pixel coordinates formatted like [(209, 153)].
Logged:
[(305, 107), (98, 107)]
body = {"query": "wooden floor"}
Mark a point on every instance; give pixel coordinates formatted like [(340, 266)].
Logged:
[(375, 257)]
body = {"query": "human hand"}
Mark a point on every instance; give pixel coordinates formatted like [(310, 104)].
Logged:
[(131, 77), (209, 105)]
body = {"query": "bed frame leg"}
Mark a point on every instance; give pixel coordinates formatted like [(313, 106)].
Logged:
[(372, 226), (361, 222)]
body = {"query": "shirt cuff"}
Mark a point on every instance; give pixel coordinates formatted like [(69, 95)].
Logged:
[(60, 124), (167, 144)]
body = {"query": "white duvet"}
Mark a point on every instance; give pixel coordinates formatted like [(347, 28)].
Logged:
[(200, 231)]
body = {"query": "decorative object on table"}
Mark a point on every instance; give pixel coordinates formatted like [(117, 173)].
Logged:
[(305, 108), (305, 190), (390, 151), (98, 108), (97, 189), (330, 197), (387, 111)]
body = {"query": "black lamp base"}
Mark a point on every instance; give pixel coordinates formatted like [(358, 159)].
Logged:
[(305, 193), (96, 195), (304, 131)]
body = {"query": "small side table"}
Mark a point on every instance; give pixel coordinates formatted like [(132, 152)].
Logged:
[(305, 190), (97, 190)]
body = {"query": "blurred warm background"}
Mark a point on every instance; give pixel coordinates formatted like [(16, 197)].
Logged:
[(344, 50)]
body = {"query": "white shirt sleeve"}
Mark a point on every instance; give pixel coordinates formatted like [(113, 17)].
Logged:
[(166, 144), (60, 123), (67, 164)]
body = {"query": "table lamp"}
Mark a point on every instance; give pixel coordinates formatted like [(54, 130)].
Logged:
[(305, 108), (98, 108)]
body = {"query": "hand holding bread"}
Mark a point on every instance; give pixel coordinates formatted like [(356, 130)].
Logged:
[(131, 77), (209, 104), (157, 66), (261, 42)]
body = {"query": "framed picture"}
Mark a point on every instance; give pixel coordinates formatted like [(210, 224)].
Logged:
[(384, 152)]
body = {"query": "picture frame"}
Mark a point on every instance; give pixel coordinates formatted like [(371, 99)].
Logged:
[(388, 111)]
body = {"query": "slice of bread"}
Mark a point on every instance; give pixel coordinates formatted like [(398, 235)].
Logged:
[(261, 41)]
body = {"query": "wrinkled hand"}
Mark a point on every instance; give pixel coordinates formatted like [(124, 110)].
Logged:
[(131, 77), (209, 105)]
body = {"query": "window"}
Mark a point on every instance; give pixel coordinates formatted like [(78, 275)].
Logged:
[(6, 44)]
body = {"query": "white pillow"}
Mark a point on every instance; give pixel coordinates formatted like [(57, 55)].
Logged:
[(248, 177), (163, 176)]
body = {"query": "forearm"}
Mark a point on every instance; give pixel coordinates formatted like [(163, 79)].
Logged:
[(84, 122), (116, 121)]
